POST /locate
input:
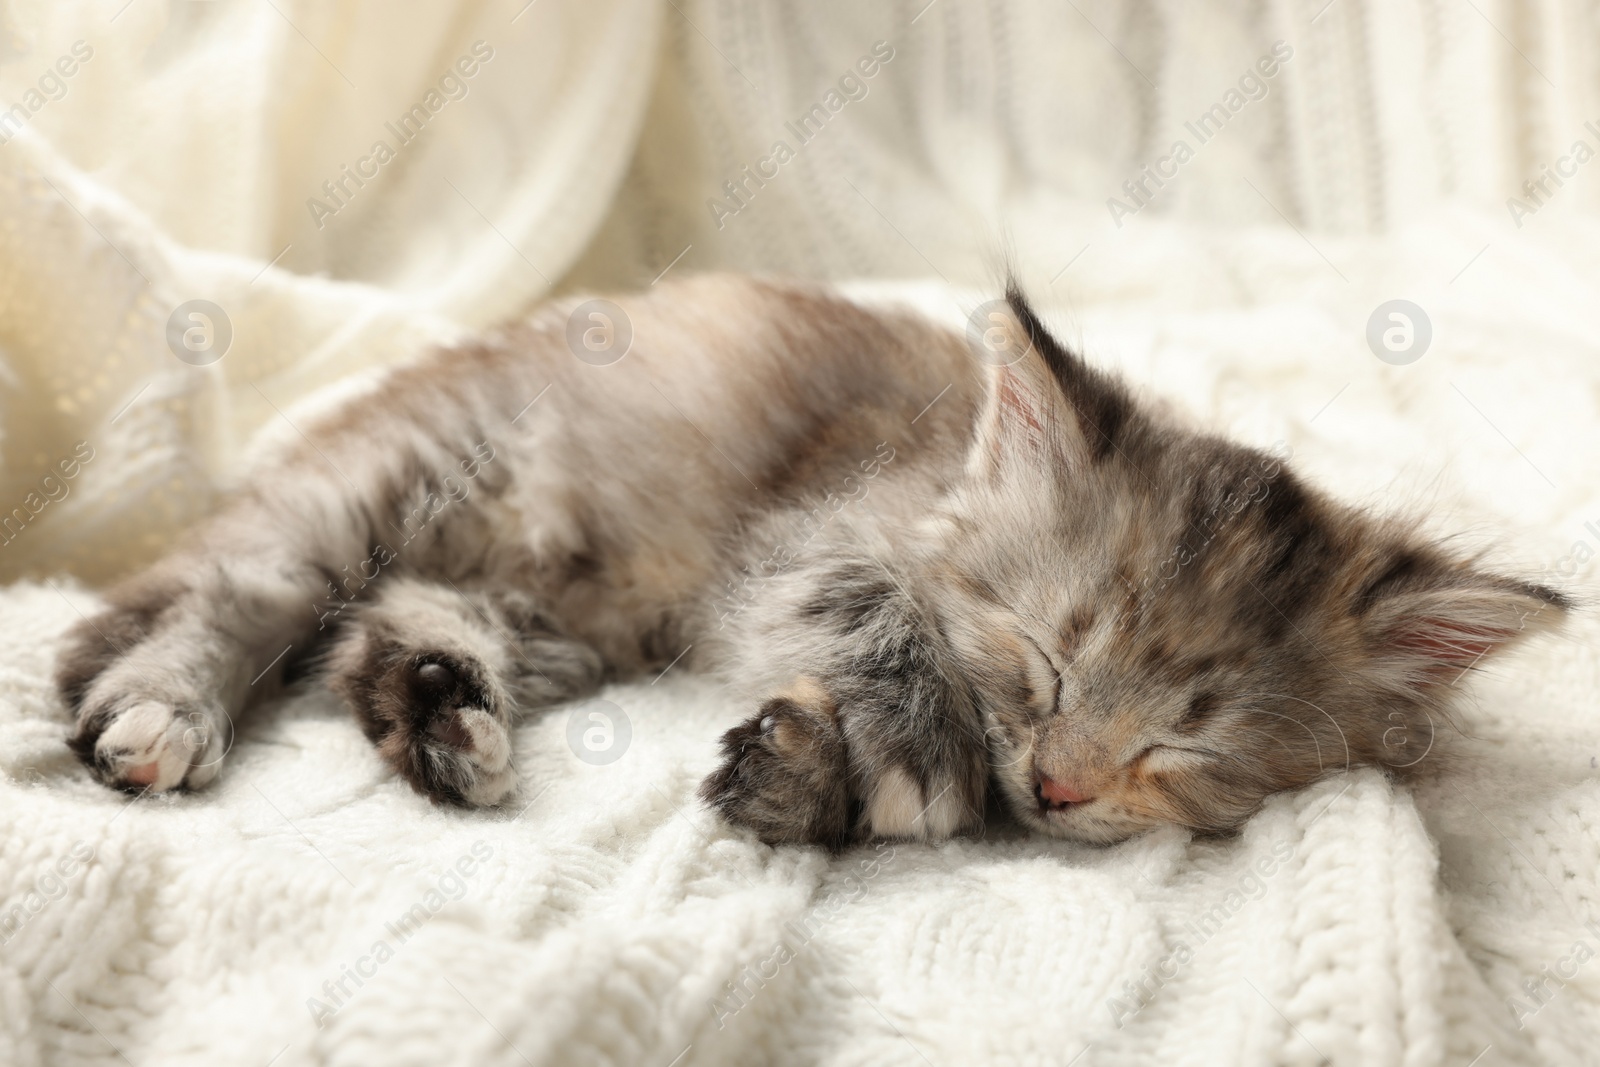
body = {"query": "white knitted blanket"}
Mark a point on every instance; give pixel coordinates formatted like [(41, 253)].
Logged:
[(614, 921), (310, 909)]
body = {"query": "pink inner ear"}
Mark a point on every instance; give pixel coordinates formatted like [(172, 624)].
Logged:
[(1450, 644), (1018, 403)]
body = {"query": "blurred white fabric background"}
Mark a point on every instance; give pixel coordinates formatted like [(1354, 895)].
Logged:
[(184, 156), (590, 147)]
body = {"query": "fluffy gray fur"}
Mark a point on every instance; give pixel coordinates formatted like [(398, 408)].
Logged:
[(931, 574)]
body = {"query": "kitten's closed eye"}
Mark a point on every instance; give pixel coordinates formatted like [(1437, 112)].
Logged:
[(1234, 631), (1202, 706), (1046, 677)]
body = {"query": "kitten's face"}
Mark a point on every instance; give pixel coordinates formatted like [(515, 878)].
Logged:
[(1133, 671), (1160, 627)]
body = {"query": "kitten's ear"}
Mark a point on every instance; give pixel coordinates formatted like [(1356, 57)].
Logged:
[(1429, 621), (1045, 405)]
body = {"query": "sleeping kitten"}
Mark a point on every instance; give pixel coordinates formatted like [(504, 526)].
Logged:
[(933, 567)]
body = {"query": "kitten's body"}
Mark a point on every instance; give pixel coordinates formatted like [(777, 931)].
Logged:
[(851, 516)]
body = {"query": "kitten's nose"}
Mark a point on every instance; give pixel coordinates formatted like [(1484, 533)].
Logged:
[(1059, 792)]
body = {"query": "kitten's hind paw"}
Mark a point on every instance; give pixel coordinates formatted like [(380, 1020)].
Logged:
[(785, 775), (438, 719)]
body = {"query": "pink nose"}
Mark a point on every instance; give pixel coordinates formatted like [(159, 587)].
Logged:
[(1058, 793)]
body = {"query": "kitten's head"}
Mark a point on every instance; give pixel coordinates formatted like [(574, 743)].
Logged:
[(1160, 626)]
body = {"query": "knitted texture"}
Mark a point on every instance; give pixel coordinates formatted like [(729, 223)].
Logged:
[(311, 908)]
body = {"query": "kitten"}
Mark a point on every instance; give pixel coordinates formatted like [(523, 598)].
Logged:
[(930, 573)]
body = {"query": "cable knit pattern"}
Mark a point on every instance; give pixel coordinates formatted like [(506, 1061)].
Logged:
[(607, 918)]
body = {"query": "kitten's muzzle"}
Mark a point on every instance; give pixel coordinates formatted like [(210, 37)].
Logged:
[(1054, 795)]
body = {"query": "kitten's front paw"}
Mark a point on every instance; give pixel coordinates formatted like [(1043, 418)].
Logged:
[(785, 775), (438, 719), (144, 744), (146, 708)]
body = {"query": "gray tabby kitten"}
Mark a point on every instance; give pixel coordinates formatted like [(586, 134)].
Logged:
[(932, 574)]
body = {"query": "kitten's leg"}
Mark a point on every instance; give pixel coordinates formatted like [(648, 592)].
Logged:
[(878, 735), (157, 679), (435, 676), (152, 712)]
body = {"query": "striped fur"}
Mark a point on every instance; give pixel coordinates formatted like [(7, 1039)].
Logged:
[(933, 578)]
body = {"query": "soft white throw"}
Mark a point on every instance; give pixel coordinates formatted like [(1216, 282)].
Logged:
[(310, 909)]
